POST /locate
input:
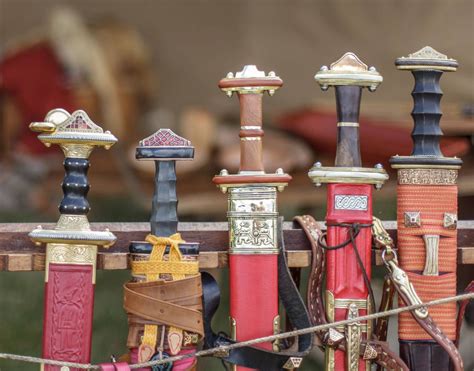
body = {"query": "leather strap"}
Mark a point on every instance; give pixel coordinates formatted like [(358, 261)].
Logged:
[(435, 332), (369, 349), (161, 301), (253, 357)]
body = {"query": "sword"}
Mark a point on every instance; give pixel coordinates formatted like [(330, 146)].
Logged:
[(163, 300), (252, 215), (71, 247), (427, 213), (349, 211)]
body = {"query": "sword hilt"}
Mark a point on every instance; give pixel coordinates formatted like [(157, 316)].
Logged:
[(427, 65), (77, 135), (348, 75), (165, 148), (250, 84)]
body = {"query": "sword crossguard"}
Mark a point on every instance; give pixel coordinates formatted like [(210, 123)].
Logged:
[(165, 148), (250, 84), (427, 65)]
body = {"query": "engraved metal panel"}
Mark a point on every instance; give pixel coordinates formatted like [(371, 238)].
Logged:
[(351, 202), (252, 220)]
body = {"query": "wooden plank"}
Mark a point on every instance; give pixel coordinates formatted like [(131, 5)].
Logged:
[(18, 253)]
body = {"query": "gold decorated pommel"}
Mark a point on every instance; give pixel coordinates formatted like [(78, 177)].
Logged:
[(427, 58), (250, 81), (348, 70), (75, 133)]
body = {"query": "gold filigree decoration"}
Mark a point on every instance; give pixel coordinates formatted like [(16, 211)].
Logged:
[(427, 176), (71, 254), (79, 122), (427, 53), (73, 223)]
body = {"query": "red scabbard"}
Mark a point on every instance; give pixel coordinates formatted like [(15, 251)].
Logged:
[(344, 276), (253, 284), (68, 309)]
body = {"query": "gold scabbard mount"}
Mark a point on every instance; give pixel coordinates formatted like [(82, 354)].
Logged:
[(353, 337), (72, 241)]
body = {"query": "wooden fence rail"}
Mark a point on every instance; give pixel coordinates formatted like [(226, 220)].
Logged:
[(18, 253)]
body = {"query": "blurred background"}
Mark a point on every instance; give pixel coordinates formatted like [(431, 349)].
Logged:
[(136, 66)]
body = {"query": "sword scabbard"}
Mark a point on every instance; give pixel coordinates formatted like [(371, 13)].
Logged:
[(71, 248), (165, 276), (252, 215), (349, 205), (427, 213)]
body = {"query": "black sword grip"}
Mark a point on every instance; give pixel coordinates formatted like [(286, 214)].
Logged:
[(164, 210), (348, 105), (75, 187), (426, 113)]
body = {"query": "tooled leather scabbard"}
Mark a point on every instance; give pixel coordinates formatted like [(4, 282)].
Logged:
[(163, 301), (349, 213), (252, 215), (71, 247), (427, 216)]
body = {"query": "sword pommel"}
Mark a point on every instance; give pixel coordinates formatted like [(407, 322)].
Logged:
[(427, 65), (165, 148), (348, 70), (427, 58), (250, 84), (348, 75), (250, 81), (75, 133)]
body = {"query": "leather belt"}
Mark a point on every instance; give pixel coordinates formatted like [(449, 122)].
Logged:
[(250, 356), (162, 302)]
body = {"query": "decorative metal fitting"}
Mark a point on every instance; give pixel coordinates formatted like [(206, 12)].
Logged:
[(400, 278), (253, 220), (348, 70), (75, 133), (412, 219), (334, 337), (353, 338), (349, 175), (293, 362), (431, 260), (370, 352), (250, 81), (427, 58), (450, 221)]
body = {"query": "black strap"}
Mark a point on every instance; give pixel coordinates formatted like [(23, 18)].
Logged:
[(250, 356)]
